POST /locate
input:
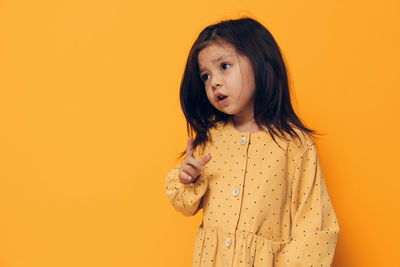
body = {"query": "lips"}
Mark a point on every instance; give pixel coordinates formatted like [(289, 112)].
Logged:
[(219, 97)]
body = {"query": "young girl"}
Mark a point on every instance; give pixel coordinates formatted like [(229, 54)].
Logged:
[(252, 167)]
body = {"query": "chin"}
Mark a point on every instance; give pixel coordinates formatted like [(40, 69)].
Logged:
[(226, 111)]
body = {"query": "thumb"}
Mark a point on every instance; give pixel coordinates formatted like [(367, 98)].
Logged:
[(205, 159)]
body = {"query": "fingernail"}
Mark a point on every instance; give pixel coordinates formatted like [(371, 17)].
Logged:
[(201, 167)]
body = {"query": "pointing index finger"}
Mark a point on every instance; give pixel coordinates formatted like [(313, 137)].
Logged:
[(189, 148)]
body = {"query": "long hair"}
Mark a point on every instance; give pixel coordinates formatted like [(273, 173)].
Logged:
[(272, 105)]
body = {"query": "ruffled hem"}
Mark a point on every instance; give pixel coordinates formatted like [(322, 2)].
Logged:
[(246, 249)]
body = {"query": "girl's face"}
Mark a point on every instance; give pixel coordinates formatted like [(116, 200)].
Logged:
[(225, 72)]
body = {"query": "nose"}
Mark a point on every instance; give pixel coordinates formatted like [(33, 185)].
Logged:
[(216, 82)]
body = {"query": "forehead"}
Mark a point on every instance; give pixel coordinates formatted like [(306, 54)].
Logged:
[(214, 52)]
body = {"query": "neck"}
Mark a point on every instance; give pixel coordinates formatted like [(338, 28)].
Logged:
[(243, 121)]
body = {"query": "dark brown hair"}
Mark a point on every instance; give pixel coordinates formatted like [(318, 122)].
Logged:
[(272, 106)]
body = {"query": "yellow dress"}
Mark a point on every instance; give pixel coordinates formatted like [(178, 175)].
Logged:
[(263, 205)]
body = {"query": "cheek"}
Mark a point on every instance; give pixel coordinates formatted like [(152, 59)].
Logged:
[(209, 96)]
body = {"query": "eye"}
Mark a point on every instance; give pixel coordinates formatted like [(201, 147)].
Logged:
[(225, 64), (203, 76)]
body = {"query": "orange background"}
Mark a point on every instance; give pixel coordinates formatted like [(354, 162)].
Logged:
[(91, 124)]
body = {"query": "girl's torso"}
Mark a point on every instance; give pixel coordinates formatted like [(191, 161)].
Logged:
[(249, 181)]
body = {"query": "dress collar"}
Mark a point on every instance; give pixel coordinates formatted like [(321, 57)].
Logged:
[(231, 128)]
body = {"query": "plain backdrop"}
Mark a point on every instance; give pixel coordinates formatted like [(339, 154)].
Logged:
[(90, 124)]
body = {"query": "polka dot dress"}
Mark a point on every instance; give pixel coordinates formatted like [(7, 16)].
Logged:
[(263, 205)]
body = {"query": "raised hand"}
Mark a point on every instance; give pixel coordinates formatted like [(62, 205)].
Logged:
[(190, 167)]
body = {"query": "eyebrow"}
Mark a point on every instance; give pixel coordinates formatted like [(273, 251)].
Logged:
[(217, 59)]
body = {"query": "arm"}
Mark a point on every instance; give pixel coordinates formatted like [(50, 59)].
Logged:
[(185, 198), (314, 226)]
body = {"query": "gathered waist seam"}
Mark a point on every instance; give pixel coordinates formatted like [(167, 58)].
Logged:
[(247, 232)]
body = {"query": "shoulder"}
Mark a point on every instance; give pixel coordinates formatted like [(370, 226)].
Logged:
[(299, 144), (213, 133), (219, 125), (218, 128)]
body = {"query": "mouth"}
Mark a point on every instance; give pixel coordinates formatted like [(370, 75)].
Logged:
[(221, 98)]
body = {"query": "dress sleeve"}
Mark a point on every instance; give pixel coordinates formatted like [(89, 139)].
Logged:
[(186, 198), (314, 226)]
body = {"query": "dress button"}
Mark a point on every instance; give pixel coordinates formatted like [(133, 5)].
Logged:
[(228, 242), (243, 140), (235, 192)]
